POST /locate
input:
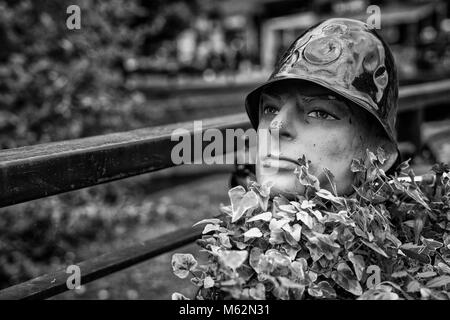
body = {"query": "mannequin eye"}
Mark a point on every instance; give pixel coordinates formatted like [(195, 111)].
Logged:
[(270, 110), (322, 115)]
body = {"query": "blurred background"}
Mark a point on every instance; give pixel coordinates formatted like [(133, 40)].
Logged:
[(136, 64)]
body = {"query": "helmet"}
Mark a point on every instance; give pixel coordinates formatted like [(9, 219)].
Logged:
[(345, 56)]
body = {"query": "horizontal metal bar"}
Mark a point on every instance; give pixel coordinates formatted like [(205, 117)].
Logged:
[(419, 96), (49, 285), (38, 171)]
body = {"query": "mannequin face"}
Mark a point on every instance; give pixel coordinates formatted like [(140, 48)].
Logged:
[(310, 120)]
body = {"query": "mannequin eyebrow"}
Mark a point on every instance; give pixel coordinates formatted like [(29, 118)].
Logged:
[(321, 97), (328, 97), (316, 97)]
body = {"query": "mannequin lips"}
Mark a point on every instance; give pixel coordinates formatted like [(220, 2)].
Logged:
[(282, 163)]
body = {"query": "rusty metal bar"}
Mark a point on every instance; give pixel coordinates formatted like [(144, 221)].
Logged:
[(51, 284)]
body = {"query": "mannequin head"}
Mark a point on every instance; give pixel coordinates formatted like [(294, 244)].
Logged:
[(312, 121)]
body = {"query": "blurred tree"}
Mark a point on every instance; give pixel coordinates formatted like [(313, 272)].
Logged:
[(57, 83), (168, 18)]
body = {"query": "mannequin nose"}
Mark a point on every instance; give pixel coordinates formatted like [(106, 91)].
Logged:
[(276, 124), (281, 124)]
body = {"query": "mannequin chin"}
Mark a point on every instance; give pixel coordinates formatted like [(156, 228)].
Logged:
[(284, 184)]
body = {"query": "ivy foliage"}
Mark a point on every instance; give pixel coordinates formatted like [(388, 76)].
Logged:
[(389, 240)]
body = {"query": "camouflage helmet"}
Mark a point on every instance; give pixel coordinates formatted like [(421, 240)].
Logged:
[(346, 56)]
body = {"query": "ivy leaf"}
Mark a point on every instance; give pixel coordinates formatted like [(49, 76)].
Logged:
[(289, 208), (242, 203), (325, 194), (325, 243), (304, 217), (288, 283), (417, 196), (357, 166), (263, 192), (182, 264), (276, 225), (322, 290), (208, 282), (197, 282), (431, 244), (291, 251), (381, 155), (443, 267), (265, 216), (378, 294), (210, 227), (327, 290), (399, 274), (255, 256), (331, 180), (393, 239), (415, 252), (371, 156), (303, 162), (233, 258), (278, 259), (375, 248), (413, 286), (299, 268), (276, 237), (308, 179), (236, 194), (178, 296), (258, 292), (224, 240), (281, 292), (307, 204), (404, 165), (314, 251), (241, 245), (226, 210), (340, 217), (294, 231), (345, 278), (253, 233), (317, 214), (211, 221), (358, 264), (345, 237), (426, 274), (438, 282)]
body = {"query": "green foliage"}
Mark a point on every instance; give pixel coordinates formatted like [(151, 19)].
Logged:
[(388, 240)]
